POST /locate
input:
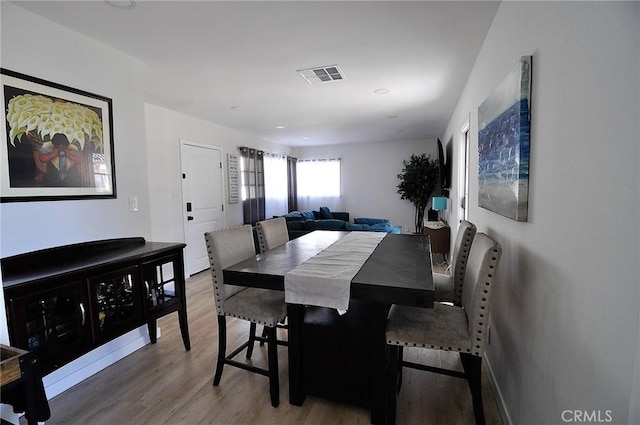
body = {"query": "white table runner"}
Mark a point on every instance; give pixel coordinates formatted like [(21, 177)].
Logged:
[(325, 279)]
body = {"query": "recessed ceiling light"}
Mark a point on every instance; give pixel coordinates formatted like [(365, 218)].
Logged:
[(235, 107), (121, 4), (279, 126), (381, 91), (392, 117)]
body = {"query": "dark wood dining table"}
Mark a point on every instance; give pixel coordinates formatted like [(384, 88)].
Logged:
[(397, 272)]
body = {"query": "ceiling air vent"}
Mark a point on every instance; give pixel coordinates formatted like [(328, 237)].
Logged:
[(322, 74)]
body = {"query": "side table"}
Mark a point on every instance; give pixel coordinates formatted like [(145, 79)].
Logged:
[(440, 235), (21, 384)]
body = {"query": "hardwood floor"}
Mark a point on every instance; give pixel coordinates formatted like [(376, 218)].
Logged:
[(164, 384)]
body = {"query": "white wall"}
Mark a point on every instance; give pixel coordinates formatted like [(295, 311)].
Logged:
[(165, 128), (369, 174), (565, 322), (35, 46), (56, 54), (89, 66)]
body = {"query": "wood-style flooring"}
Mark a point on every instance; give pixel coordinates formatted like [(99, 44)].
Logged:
[(164, 384)]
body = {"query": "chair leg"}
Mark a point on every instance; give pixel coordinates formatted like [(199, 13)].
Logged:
[(399, 384), (264, 335), (272, 350), (252, 339), (473, 369), (222, 348), (393, 367)]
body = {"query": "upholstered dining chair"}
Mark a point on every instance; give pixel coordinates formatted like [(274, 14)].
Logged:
[(448, 327), (272, 233), (262, 306), (448, 288)]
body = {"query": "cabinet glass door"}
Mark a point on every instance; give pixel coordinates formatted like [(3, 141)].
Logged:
[(160, 281), (52, 324), (116, 303)]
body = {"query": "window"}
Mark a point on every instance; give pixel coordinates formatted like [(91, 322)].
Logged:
[(252, 181), (318, 183), (275, 185), (268, 184), (319, 178)]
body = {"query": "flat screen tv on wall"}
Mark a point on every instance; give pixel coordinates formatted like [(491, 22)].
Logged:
[(445, 167), (448, 164)]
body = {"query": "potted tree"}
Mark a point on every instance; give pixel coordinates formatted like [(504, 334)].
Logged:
[(418, 180)]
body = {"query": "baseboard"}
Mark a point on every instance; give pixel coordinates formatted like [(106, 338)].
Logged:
[(93, 362), (504, 414)]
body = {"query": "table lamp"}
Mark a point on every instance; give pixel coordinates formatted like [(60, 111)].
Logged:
[(439, 203)]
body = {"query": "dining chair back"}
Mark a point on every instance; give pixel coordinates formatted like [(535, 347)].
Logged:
[(258, 306), (226, 248), (448, 327), (477, 290), (448, 288), (272, 233)]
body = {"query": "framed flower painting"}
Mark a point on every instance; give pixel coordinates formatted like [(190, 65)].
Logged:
[(57, 141)]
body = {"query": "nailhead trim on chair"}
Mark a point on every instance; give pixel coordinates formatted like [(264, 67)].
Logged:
[(464, 253), (478, 347), (262, 242), (464, 326), (262, 239), (216, 284), (481, 341), (225, 249), (407, 344), (465, 248), (464, 240), (216, 288)]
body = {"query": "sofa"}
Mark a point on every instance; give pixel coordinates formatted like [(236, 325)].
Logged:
[(302, 222)]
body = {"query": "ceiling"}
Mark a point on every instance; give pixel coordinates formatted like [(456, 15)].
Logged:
[(234, 63)]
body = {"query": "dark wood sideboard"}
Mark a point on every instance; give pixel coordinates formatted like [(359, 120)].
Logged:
[(65, 301)]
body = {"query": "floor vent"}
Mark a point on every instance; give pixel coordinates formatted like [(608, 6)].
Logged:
[(322, 74)]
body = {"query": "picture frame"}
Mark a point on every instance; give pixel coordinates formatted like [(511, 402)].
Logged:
[(57, 141), (504, 125)]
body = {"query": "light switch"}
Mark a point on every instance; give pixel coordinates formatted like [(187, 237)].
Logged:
[(133, 203)]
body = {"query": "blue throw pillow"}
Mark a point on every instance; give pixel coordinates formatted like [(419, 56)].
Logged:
[(366, 220), (380, 227), (352, 226), (325, 213), (292, 216), (307, 215)]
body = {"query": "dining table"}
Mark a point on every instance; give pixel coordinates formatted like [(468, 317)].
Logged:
[(397, 271)]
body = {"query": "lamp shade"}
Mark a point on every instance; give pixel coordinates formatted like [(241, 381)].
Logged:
[(439, 203)]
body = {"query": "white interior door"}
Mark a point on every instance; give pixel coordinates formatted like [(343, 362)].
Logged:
[(202, 196)]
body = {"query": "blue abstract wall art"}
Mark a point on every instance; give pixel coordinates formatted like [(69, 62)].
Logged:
[(504, 122)]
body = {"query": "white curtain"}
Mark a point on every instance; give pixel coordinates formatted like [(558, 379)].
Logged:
[(275, 185), (318, 183)]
